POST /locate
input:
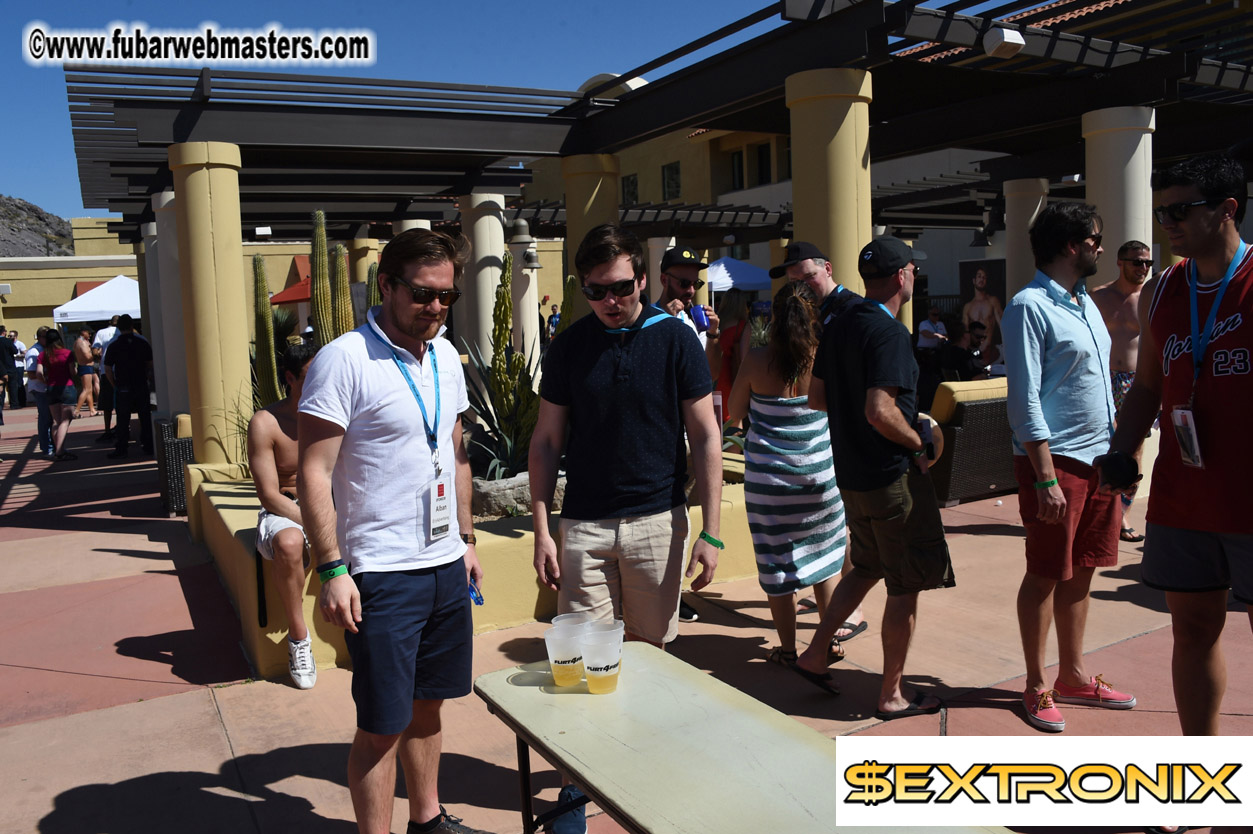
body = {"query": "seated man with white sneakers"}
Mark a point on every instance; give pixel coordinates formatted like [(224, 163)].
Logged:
[(272, 457)]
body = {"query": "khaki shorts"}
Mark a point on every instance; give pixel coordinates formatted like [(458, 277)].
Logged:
[(630, 568), (896, 535)]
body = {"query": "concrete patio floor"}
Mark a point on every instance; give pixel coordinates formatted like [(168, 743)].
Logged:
[(126, 706)]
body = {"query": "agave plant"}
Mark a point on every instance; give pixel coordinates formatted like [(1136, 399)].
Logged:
[(501, 392)]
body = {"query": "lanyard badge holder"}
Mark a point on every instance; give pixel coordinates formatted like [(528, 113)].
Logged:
[(1182, 418), (439, 493)]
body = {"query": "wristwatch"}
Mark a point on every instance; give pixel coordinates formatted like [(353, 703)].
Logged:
[(469, 538)]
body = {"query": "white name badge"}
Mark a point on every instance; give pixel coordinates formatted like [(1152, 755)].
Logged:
[(440, 503), (1185, 432)]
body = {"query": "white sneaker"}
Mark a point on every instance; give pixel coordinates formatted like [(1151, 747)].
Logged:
[(304, 672)]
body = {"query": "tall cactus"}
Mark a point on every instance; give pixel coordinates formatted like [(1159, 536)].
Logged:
[(373, 295), (341, 298), (502, 329), (320, 283), (268, 387)]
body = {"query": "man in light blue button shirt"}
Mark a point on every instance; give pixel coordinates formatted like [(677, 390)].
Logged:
[(1062, 414)]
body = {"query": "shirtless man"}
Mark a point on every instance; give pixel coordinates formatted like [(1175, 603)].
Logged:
[(88, 379), (273, 456), (984, 308), (1119, 304)]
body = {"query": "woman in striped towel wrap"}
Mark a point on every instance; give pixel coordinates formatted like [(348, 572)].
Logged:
[(795, 512)]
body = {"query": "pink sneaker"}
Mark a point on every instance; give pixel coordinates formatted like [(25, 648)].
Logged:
[(1042, 713), (1097, 693)]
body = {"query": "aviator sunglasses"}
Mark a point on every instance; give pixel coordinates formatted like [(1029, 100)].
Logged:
[(597, 292), (425, 295), (1178, 212), (683, 282)]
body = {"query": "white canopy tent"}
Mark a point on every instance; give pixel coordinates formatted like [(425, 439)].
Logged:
[(726, 273), (112, 298)]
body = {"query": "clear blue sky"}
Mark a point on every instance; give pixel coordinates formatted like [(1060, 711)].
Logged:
[(553, 45)]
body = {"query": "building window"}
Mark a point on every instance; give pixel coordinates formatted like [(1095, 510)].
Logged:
[(763, 164), (785, 160), (630, 189), (737, 170), (670, 183), (740, 251)]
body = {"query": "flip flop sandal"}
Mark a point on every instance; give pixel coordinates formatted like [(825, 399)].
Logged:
[(835, 653), (823, 681), (1129, 534), (777, 655), (915, 708), (852, 629)]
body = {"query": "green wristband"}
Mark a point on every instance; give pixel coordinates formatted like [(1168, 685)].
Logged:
[(706, 537), (328, 575), (1046, 484)]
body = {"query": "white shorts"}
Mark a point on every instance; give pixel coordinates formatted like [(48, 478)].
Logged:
[(269, 526)]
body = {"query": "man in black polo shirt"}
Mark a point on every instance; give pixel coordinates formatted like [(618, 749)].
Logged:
[(626, 382), (866, 379), (128, 366), (805, 262)]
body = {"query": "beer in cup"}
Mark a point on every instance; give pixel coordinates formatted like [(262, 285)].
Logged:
[(602, 659), (565, 656)]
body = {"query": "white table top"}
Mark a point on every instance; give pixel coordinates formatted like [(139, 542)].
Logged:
[(673, 749)]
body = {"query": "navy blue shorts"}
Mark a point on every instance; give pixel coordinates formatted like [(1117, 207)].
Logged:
[(413, 643)]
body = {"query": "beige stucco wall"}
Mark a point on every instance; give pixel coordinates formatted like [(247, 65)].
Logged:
[(92, 237), (40, 284)]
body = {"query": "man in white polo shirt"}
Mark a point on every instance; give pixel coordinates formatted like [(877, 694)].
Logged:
[(379, 427)]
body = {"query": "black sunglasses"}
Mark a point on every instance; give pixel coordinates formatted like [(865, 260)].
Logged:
[(597, 292), (683, 282), (1096, 241), (425, 295), (1145, 262), (1178, 212)]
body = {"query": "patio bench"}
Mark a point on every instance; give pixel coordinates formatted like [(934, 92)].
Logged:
[(227, 517), (978, 459)]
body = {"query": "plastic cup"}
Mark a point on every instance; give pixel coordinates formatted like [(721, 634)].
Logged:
[(565, 654), (602, 659), (571, 619), (700, 318)]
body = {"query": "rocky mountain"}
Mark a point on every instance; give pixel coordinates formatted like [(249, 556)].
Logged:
[(27, 231)]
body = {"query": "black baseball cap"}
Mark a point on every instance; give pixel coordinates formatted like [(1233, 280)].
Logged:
[(884, 256), (681, 256), (797, 251)]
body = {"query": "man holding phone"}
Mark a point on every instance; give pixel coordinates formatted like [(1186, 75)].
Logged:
[(379, 422)]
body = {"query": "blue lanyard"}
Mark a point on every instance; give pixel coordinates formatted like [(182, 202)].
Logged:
[(647, 323), (432, 434), (1200, 338)]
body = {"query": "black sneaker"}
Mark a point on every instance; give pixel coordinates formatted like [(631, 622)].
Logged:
[(446, 824), (687, 614)]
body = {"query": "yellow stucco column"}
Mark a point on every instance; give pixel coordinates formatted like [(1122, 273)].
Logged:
[(173, 345), (1165, 257), (483, 223), (362, 252), (1023, 201), (215, 313), (657, 247), (591, 185), (830, 117), (408, 223), (1118, 160), (154, 323)]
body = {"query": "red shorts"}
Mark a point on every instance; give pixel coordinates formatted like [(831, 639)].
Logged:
[(1087, 536)]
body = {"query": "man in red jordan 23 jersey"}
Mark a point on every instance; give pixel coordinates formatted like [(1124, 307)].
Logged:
[(1196, 368)]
